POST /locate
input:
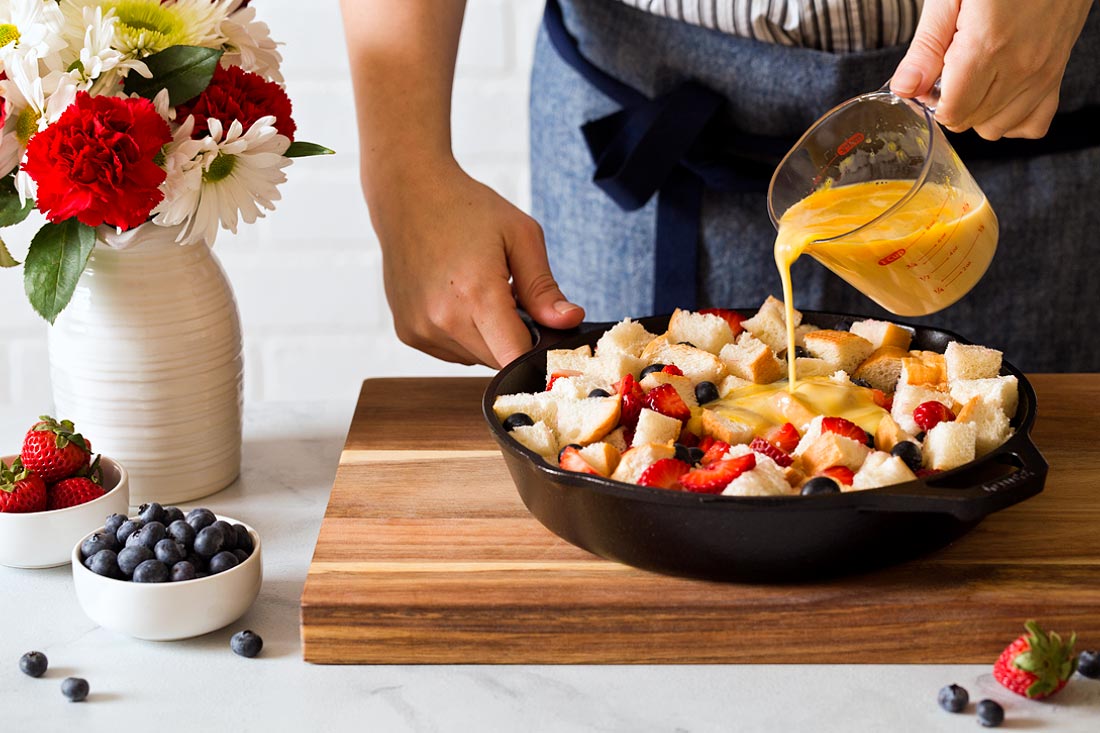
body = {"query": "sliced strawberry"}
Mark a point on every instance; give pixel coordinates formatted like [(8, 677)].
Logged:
[(733, 318), (781, 459), (667, 401), (673, 370), (840, 474), (926, 472), (785, 437), (705, 443), (688, 439), (847, 428), (664, 474), (714, 478), (881, 399), (714, 452), (631, 401), (929, 414), (572, 460)]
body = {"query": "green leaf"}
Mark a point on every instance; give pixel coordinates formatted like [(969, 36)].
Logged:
[(6, 260), (305, 150), (185, 71), (12, 211), (57, 256)]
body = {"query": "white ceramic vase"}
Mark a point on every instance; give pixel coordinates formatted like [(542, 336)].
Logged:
[(146, 360)]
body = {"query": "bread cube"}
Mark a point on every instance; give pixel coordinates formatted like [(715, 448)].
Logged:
[(883, 333), (696, 364), (567, 361), (576, 388), (989, 420), (705, 330), (966, 361), (889, 433), (653, 427), (682, 385), (923, 368), (617, 439), (610, 368), (770, 324), (539, 438), (830, 449), (906, 399), (731, 384), (635, 461), (841, 349), (810, 433), (537, 406), (880, 469), (602, 456), (751, 359), (724, 429), (766, 479), (800, 333), (625, 337), (949, 445), (587, 420), (882, 368), (1003, 392), (808, 366)]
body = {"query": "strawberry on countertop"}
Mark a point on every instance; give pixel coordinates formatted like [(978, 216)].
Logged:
[(20, 490), (54, 450), (1038, 664)]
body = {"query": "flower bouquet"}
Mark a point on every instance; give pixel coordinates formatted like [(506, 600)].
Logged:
[(119, 113)]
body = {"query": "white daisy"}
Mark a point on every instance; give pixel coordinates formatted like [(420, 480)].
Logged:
[(31, 27), (90, 57), (248, 45), (145, 27), (216, 180), (29, 110)]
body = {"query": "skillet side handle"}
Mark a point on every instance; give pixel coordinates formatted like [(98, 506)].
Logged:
[(965, 496)]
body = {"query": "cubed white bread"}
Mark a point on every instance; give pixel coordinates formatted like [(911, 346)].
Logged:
[(610, 368), (576, 388), (949, 445), (842, 349), (602, 456), (766, 479), (567, 361), (724, 429), (882, 368), (880, 469), (831, 449), (653, 427), (617, 439), (682, 385), (540, 438), (696, 364), (991, 424), (811, 366), (751, 359), (1003, 392), (801, 331), (809, 434), (635, 461), (968, 361), (769, 324), (587, 420), (906, 399), (537, 406), (923, 368), (889, 433), (841, 377), (732, 384), (883, 333), (625, 337), (707, 331)]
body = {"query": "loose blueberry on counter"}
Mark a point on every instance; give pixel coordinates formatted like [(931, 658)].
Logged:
[(126, 529), (131, 557), (649, 370), (223, 561), (74, 688), (706, 392), (151, 512), (200, 518), (182, 570), (209, 541), (820, 485), (599, 393), (95, 543), (169, 552), (244, 539), (246, 643), (910, 453), (151, 571), (171, 514), (181, 532), (1088, 664), (516, 420), (33, 664), (953, 698), (105, 563), (113, 522), (990, 714)]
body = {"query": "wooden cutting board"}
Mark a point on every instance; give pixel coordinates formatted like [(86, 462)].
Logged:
[(427, 555)]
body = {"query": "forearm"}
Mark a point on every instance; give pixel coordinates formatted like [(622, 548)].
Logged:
[(402, 55)]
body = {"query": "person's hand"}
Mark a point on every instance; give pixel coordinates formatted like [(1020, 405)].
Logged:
[(457, 258), (1001, 62)]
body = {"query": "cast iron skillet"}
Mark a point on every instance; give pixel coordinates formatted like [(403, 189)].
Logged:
[(762, 539)]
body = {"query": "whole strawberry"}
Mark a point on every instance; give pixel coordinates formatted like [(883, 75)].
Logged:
[(1036, 665), (20, 490), (53, 450), (79, 489)]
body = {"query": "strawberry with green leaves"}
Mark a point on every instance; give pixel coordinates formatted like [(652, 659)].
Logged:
[(85, 486), (20, 490), (1038, 664), (54, 450)]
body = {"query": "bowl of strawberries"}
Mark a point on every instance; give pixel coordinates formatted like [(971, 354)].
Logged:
[(53, 492)]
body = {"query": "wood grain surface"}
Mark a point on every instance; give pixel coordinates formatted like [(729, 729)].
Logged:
[(427, 555)]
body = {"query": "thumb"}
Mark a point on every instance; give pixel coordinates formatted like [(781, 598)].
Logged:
[(534, 284), (923, 62)]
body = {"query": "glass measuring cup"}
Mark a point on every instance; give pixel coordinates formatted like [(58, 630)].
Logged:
[(874, 191)]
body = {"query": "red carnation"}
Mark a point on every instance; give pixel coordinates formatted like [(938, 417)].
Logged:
[(97, 162), (236, 94)]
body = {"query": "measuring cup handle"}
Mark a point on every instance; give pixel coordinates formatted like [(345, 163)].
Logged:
[(930, 101)]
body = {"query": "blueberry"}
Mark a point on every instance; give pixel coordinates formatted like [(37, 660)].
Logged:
[(244, 538), (169, 552), (801, 353), (861, 383), (649, 370), (682, 453), (910, 453), (105, 563), (182, 532), (820, 485), (171, 514), (228, 533), (95, 543), (74, 688), (33, 664), (113, 523), (599, 393), (131, 557), (571, 445), (687, 343), (151, 512), (920, 436), (695, 455), (223, 561), (126, 529), (209, 541), (151, 571), (242, 555), (199, 518), (1088, 664), (149, 535), (706, 392), (990, 714), (515, 420), (198, 562), (182, 570), (953, 698), (246, 643)]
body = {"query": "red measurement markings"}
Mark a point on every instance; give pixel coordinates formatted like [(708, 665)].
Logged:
[(843, 149), (931, 252), (894, 256), (950, 237), (965, 264)]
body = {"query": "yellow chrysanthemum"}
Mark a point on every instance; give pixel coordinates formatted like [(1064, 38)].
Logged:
[(145, 27)]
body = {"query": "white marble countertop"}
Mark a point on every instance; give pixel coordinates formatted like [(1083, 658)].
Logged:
[(290, 456)]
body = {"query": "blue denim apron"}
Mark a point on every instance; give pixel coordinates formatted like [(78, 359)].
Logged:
[(1035, 300)]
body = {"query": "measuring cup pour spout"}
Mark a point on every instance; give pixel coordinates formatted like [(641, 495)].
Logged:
[(875, 192)]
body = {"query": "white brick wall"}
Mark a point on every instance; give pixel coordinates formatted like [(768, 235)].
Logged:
[(308, 278)]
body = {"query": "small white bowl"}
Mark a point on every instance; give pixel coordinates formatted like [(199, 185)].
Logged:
[(45, 539), (169, 611)]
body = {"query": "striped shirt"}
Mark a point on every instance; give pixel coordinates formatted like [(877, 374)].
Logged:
[(837, 26)]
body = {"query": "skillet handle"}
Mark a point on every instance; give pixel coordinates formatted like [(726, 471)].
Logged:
[(544, 337), (969, 493)]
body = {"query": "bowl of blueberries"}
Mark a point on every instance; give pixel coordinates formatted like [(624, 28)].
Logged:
[(165, 575)]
